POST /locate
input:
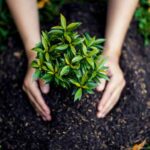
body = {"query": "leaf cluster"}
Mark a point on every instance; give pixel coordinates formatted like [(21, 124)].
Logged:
[(70, 60)]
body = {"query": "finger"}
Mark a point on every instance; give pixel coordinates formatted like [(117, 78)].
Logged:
[(107, 94), (110, 103), (35, 105), (101, 85), (44, 87), (39, 99), (37, 109), (115, 98)]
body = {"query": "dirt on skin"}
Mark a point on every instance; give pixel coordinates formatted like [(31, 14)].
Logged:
[(74, 125)]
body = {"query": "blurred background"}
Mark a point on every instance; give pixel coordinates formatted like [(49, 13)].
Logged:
[(49, 9)]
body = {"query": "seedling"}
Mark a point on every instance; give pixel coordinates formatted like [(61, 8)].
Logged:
[(70, 60)]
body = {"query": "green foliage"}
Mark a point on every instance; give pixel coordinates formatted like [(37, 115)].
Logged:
[(5, 22), (50, 10), (70, 60), (142, 15)]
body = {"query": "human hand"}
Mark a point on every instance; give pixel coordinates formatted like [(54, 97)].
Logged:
[(31, 88), (113, 88)]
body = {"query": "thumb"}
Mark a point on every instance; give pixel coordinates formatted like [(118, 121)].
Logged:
[(44, 87)]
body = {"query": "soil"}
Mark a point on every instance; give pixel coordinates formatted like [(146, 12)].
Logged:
[(74, 125)]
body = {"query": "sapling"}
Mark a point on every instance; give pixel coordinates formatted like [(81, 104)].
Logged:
[(70, 60)]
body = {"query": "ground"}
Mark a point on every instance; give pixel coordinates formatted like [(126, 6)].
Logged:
[(74, 125)]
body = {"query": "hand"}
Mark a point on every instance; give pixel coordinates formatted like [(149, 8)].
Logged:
[(112, 90), (30, 86)]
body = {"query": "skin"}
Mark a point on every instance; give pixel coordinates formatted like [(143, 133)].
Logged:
[(120, 12), (119, 15), (25, 14)]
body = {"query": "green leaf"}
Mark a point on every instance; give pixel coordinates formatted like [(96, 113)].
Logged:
[(65, 70), (44, 68), (78, 94), (78, 41), (90, 91), (53, 47), (41, 57), (38, 50), (77, 66), (57, 28), (67, 37), (62, 47), (47, 57), (99, 41), (94, 74), (50, 66), (78, 73), (73, 26), (84, 49), (34, 64), (44, 42), (91, 85), (91, 41), (47, 78), (75, 35), (66, 59), (73, 50), (77, 58), (100, 62), (50, 72), (45, 35), (84, 78), (74, 82), (103, 76), (39, 62), (93, 52), (87, 36), (90, 61), (36, 74), (38, 45), (63, 21), (56, 32)]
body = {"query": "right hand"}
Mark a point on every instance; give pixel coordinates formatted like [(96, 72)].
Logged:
[(31, 88)]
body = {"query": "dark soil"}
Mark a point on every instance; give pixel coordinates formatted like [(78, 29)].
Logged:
[(74, 125)]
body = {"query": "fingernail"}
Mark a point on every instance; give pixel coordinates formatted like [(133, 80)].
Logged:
[(45, 89), (100, 115), (49, 118), (98, 89)]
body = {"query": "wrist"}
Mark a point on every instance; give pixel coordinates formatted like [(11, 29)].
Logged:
[(112, 54), (112, 51), (31, 55)]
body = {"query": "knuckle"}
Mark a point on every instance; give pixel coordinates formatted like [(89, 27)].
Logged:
[(124, 82), (121, 79), (25, 84)]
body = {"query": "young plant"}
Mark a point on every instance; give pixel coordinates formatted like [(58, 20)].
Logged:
[(70, 60)]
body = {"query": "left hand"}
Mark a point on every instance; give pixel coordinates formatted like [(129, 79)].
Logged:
[(112, 90)]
